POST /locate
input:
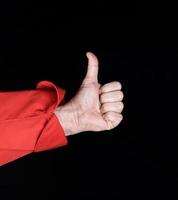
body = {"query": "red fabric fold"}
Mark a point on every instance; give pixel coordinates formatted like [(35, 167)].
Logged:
[(28, 123)]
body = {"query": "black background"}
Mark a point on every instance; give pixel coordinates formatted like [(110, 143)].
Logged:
[(49, 41)]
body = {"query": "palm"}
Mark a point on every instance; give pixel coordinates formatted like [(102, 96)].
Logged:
[(87, 99)]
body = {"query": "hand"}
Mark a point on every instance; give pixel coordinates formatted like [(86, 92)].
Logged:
[(94, 107)]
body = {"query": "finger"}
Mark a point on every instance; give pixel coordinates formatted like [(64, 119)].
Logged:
[(112, 119), (92, 69), (112, 107), (115, 85), (111, 96)]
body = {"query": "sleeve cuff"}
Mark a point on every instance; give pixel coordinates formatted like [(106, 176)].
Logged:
[(53, 134), (60, 92)]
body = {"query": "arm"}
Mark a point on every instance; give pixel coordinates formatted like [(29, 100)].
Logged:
[(36, 120), (28, 123)]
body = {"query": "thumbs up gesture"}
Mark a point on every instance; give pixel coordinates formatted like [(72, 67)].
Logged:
[(95, 107)]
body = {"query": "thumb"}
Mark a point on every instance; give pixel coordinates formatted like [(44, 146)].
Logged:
[(92, 70)]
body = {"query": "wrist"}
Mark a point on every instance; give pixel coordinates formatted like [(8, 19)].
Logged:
[(66, 115)]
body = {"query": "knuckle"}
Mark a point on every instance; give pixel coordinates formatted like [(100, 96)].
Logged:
[(120, 118), (117, 84), (121, 94), (121, 105), (105, 86)]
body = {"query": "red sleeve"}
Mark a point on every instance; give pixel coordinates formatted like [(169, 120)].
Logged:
[(28, 123)]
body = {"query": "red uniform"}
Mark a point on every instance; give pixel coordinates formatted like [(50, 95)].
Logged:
[(28, 123)]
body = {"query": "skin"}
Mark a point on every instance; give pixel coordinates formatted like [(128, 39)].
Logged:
[(95, 107)]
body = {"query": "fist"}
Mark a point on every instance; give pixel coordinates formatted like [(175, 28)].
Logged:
[(95, 107), (111, 103)]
